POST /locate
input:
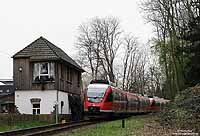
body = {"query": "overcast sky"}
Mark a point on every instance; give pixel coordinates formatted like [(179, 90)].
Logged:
[(23, 21)]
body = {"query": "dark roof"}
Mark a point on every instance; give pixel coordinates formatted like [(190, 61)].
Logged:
[(6, 81), (42, 49), (6, 89)]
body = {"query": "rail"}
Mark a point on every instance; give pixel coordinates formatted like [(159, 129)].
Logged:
[(47, 129)]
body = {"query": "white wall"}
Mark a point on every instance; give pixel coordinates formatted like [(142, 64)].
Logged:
[(48, 99), (62, 96)]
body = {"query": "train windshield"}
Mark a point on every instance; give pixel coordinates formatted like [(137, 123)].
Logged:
[(95, 94)]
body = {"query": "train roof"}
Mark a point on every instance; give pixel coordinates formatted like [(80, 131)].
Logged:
[(99, 82), (98, 85)]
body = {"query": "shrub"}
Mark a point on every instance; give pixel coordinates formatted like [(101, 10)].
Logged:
[(184, 111)]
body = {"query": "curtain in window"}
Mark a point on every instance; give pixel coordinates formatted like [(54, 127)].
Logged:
[(52, 70), (36, 71), (44, 68)]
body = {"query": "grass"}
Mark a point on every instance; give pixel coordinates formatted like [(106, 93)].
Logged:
[(133, 126), (22, 125)]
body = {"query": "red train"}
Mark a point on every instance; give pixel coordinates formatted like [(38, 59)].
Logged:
[(102, 99)]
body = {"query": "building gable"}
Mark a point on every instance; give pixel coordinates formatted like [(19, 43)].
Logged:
[(41, 49)]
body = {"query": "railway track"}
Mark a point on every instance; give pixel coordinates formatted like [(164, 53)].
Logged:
[(48, 129)]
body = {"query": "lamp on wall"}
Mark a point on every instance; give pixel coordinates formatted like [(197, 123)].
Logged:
[(20, 69)]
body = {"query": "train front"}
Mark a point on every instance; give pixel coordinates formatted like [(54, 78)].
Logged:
[(98, 100)]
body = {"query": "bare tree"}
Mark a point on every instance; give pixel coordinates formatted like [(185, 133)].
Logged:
[(130, 48), (98, 43), (99, 39), (134, 73)]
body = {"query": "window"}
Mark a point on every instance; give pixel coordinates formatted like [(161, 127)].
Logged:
[(109, 97), (116, 96), (44, 71), (78, 79), (62, 71), (36, 108), (69, 75), (35, 105), (95, 94), (1, 91), (62, 104), (8, 91)]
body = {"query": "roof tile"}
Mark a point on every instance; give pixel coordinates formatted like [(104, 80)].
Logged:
[(42, 49)]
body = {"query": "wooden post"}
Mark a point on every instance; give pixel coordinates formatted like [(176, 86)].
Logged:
[(123, 123)]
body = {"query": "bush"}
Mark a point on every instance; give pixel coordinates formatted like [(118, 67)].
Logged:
[(184, 111), (76, 106)]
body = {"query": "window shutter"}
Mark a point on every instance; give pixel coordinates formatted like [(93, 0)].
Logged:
[(52, 70), (36, 71)]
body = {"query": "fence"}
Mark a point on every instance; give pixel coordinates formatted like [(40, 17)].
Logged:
[(12, 119)]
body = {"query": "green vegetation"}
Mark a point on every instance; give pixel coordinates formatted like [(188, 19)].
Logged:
[(133, 126), (23, 125), (177, 24), (184, 112), (177, 45), (76, 106)]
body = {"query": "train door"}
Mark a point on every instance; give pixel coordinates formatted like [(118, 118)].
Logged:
[(116, 99), (123, 102), (139, 107), (137, 103), (126, 99)]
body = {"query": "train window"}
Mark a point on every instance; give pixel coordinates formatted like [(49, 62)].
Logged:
[(122, 97), (135, 102), (116, 96), (157, 103), (109, 97), (96, 92), (142, 103)]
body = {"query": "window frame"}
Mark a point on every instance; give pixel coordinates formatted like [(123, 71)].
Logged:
[(109, 97), (69, 75), (78, 79), (48, 69), (37, 110), (37, 72)]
